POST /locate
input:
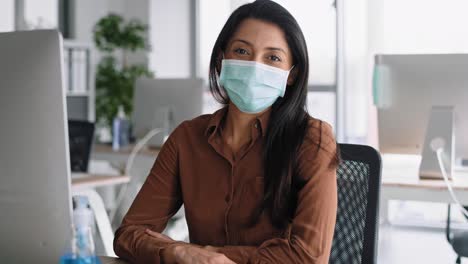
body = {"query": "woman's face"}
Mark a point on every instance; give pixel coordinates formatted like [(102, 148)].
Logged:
[(256, 40)]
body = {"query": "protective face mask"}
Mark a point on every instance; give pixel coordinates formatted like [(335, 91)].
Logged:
[(252, 86)]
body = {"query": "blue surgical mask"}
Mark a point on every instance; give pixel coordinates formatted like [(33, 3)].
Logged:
[(252, 86)]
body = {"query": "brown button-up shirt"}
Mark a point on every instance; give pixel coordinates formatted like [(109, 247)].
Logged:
[(220, 192)]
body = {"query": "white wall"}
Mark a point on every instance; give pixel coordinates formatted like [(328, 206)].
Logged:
[(168, 34), (213, 16), (88, 12), (170, 38), (138, 9), (7, 15)]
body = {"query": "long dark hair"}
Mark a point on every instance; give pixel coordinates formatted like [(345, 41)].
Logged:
[(289, 119)]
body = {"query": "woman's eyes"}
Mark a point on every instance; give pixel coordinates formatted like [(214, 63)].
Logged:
[(274, 58), (241, 51)]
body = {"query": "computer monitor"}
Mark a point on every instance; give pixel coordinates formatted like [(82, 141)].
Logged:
[(165, 103), (416, 97), (35, 202)]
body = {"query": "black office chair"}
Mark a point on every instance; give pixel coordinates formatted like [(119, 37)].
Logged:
[(458, 239), (356, 231), (80, 137)]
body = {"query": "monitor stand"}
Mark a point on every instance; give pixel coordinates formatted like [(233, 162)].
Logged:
[(439, 133), (163, 119)]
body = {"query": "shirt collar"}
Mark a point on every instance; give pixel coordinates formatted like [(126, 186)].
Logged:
[(215, 120), (218, 117)]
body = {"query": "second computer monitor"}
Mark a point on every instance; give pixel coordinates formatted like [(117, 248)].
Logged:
[(405, 90), (164, 104)]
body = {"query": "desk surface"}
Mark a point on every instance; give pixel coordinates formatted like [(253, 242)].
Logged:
[(84, 181), (110, 260), (403, 171), (424, 184), (107, 149)]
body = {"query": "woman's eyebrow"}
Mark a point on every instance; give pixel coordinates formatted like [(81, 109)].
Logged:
[(243, 41), (267, 48), (277, 49)]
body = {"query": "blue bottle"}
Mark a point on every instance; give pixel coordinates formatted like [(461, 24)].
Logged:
[(82, 245), (120, 130)]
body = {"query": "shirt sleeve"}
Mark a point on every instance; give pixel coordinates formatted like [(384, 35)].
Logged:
[(311, 231), (157, 201)]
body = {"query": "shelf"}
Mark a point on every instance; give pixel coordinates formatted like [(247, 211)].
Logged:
[(77, 94), (72, 44)]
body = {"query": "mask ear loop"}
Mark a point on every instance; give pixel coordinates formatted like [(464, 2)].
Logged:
[(220, 65)]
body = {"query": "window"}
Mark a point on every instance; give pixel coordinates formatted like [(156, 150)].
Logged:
[(317, 20), (423, 26), (41, 14), (212, 16)]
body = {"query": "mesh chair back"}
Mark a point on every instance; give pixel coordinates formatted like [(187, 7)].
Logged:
[(358, 179)]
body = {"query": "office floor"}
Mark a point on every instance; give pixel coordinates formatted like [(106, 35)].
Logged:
[(414, 245)]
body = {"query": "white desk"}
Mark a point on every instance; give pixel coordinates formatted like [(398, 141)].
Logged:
[(400, 181), (107, 149), (87, 181)]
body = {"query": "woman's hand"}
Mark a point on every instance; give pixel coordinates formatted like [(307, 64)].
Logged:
[(189, 253)]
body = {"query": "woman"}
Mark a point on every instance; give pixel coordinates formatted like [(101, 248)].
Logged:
[(258, 177)]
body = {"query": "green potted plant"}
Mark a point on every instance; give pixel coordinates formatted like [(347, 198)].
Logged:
[(115, 77)]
